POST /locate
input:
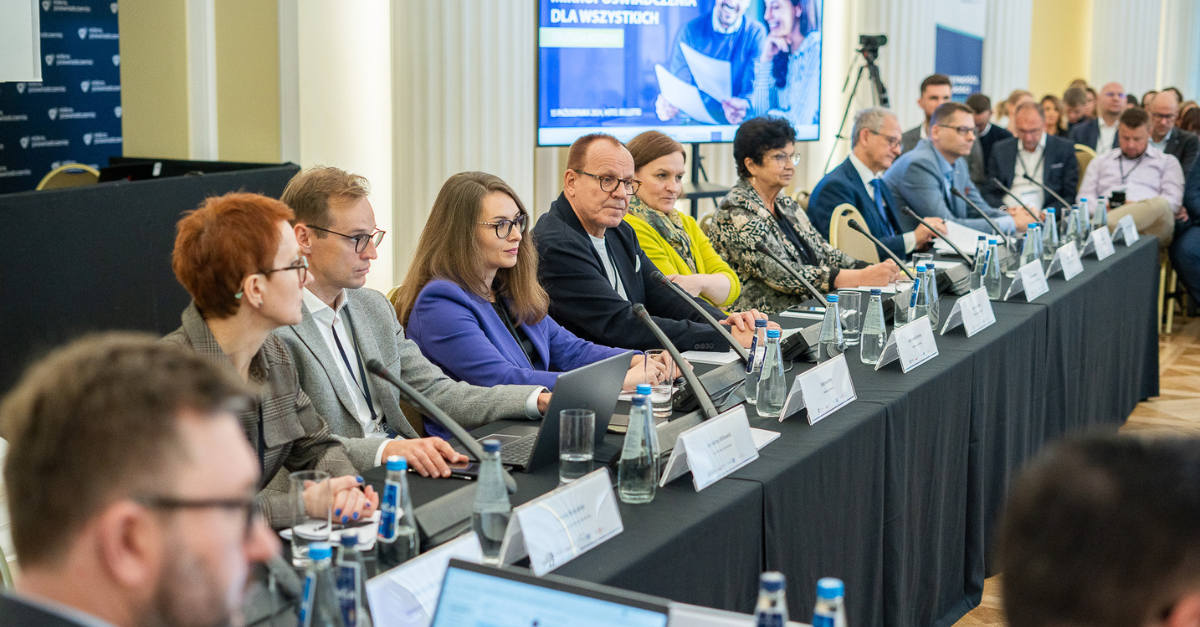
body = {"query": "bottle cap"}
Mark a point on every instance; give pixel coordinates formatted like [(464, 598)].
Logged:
[(982, 237), (491, 446), (318, 551), (643, 388), (875, 291), (1048, 210), (349, 540), (992, 241), (830, 588), (771, 581), (395, 462), (772, 333), (921, 267), (760, 322), (832, 298)]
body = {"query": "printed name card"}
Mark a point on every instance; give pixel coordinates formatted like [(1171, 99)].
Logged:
[(973, 311), (712, 449), (1029, 280), (1126, 230), (913, 344), (1099, 242), (563, 524), (1066, 258), (823, 390), (408, 593)]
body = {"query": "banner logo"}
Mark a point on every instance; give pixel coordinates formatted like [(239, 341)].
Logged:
[(83, 33), (116, 59), (85, 85), (25, 142), (53, 113), (117, 111), (113, 6), (49, 59), (87, 139), (45, 5), (20, 88)]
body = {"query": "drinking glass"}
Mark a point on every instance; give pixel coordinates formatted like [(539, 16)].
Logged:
[(850, 304), (576, 434), (311, 500)]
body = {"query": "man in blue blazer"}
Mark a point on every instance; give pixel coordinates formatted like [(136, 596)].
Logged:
[(1100, 134), (923, 178), (1049, 160), (874, 145)]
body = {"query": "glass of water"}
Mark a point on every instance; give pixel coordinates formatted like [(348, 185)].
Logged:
[(576, 434), (850, 305), (660, 399), (904, 288), (311, 502), (921, 259)]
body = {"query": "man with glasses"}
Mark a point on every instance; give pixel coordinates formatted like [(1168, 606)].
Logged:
[(345, 325), (594, 270), (1100, 133), (925, 178), (936, 90), (1047, 159), (132, 486), (1164, 111), (874, 145)]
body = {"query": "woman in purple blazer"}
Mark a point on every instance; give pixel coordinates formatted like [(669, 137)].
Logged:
[(471, 299)]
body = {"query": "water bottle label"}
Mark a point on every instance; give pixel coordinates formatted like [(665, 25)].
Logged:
[(387, 511), (306, 599), (765, 619), (823, 620), (915, 290), (753, 354), (348, 577)]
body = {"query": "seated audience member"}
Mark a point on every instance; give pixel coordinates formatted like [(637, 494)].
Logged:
[(1147, 97), (590, 264), (1185, 108), (1056, 120), (1079, 82), (1048, 159), (238, 258), (1132, 100), (935, 91), (1175, 90), (1100, 134), (344, 325), (1092, 99), (874, 145), (787, 72), (923, 179), (1190, 121), (1103, 532), (1185, 250), (472, 301), (1151, 180), (1014, 100), (1075, 107), (987, 134), (134, 489), (1181, 144), (756, 210), (672, 239)]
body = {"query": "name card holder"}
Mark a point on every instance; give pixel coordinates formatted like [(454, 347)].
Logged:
[(823, 390), (1066, 259), (1029, 280), (1099, 242), (563, 524), (408, 593), (713, 449), (1126, 231), (973, 312), (913, 344)]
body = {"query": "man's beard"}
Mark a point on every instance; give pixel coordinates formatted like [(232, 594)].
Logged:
[(187, 596)]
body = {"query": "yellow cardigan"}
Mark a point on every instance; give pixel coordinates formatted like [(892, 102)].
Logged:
[(669, 262)]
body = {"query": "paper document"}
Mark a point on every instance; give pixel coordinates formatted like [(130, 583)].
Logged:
[(711, 74), (802, 315), (711, 357), (407, 594), (964, 237), (683, 96)]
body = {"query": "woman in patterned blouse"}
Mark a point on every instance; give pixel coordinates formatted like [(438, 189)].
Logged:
[(756, 211)]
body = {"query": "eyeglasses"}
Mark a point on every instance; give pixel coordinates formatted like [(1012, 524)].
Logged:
[(963, 131), (1164, 116), (507, 225), (783, 159), (360, 241), (608, 184), (892, 141), (1114, 94), (253, 511), (300, 266)]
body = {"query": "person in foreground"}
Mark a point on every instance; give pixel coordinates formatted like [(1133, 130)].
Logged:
[(136, 489), (237, 256), (345, 325), (756, 211), (1105, 532), (591, 265), (672, 239), (472, 301)]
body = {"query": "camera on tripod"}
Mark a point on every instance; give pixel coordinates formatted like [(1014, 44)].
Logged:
[(870, 45)]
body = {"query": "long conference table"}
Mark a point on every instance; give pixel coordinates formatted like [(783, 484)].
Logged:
[(898, 493)]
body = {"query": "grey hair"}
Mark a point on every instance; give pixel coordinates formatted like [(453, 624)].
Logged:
[(1024, 106), (870, 119)]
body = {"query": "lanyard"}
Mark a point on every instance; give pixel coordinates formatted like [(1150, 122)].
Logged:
[(1036, 168), (1121, 165), (361, 381)]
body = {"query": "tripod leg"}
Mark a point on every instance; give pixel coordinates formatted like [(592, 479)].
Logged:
[(845, 115)]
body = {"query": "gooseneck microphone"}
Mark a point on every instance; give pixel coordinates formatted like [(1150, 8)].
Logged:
[(733, 343), (762, 248), (433, 411), (692, 380), (985, 216), (1009, 192), (912, 214), (1066, 205), (852, 223)]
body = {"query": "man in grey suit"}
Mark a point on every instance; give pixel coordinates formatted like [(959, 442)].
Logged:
[(936, 91), (345, 325), (924, 177)]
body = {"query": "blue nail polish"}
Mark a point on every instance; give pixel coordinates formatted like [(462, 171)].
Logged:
[(355, 515), (360, 479), (345, 520), (337, 512)]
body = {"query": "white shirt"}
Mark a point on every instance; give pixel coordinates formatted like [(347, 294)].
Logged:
[(910, 238), (1031, 163), (1162, 145), (1107, 135), (614, 279)]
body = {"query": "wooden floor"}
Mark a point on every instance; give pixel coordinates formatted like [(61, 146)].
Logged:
[(1176, 411)]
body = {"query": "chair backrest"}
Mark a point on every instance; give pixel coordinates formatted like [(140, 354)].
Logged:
[(1084, 154), (706, 222), (801, 198), (70, 175), (846, 239)]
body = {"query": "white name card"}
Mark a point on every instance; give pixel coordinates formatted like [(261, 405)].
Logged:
[(563, 524), (823, 390), (1099, 242), (1066, 258), (913, 344), (408, 593), (1029, 280), (973, 311), (712, 449), (1126, 230)]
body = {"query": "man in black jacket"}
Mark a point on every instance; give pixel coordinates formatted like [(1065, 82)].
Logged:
[(1047, 159), (594, 270), (986, 132), (1164, 111)]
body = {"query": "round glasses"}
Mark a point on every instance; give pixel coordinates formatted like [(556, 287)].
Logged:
[(504, 228), (359, 241), (608, 184)]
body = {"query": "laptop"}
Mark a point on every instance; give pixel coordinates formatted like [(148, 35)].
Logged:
[(482, 596), (595, 387)]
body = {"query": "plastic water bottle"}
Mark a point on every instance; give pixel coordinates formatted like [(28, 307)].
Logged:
[(1039, 244), (489, 520), (758, 348), (319, 598), (637, 471), (1081, 225), (1100, 219), (772, 388), (397, 541), (991, 269), (981, 248), (832, 342), (1050, 240), (830, 608), (352, 583), (935, 299), (1029, 247), (918, 304), (874, 334), (771, 609)]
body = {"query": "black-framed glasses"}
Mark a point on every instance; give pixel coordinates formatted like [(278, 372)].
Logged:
[(1164, 116), (961, 130), (892, 141), (608, 184), (504, 228), (784, 159), (249, 505), (300, 266), (360, 241)]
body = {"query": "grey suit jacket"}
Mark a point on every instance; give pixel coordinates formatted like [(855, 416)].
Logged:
[(975, 164), (380, 336)]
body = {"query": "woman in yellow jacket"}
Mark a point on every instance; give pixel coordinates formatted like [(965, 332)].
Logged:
[(673, 240)]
